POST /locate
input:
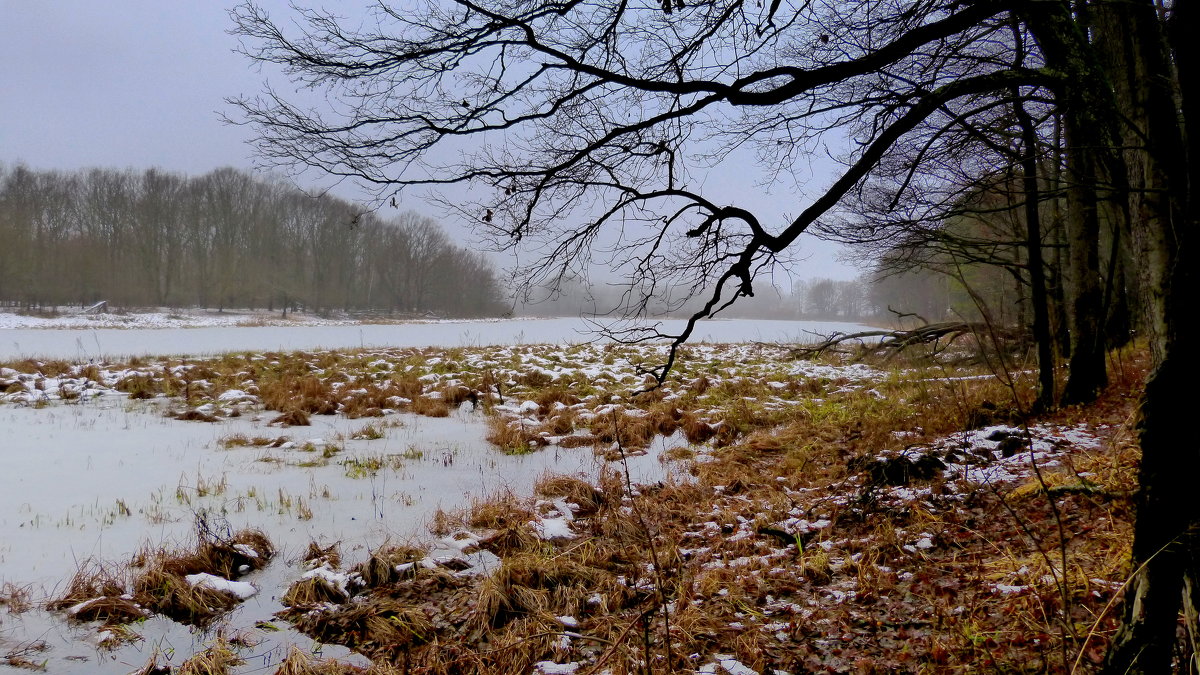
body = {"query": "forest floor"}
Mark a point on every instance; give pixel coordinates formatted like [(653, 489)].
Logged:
[(818, 516)]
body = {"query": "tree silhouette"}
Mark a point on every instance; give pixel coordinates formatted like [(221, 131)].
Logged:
[(571, 122)]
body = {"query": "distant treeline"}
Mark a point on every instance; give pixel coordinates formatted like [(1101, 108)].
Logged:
[(224, 239), (814, 299)]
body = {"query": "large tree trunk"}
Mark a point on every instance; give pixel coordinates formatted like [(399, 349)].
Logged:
[(1088, 374), (1162, 223), (1141, 95), (1088, 118)]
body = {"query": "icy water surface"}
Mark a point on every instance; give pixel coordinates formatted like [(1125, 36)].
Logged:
[(18, 343), (101, 479)]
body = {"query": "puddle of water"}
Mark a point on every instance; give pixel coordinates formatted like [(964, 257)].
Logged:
[(99, 480)]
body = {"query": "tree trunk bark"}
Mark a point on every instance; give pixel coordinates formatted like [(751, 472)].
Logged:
[(1088, 370), (1062, 334), (1163, 224), (1037, 271), (1088, 121)]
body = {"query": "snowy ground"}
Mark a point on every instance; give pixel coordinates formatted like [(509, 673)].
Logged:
[(102, 342), (92, 474)]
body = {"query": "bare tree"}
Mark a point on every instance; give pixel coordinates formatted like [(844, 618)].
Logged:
[(572, 137), (566, 120)]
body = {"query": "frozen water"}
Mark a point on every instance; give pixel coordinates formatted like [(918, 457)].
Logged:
[(111, 343), (98, 480)]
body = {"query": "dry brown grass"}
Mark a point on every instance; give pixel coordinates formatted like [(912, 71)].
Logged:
[(306, 393), (630, 431), (243, 441), (716, 549), (15, 599), (504, 518), (292, 418), (151, 667), (310, 592), (161, 585), (430, 406), (548, 396), (91, 580), (511, 436), (97, 592), (379, 625), (577, 441), (535, 379), (111, 609), (217, 659), (726, 582), (456, 395), (358, 407), (139, 386), (574, 490), (380, 568), (116, 635), (531, 584), (406, 385), (666, 417), (316, 555), (55, 368), (228, 557), (695, 429), (299, 662), (172, 596), (498, 511), (560, 423)]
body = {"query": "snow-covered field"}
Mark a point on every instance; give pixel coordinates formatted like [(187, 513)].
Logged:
[(72, 338)]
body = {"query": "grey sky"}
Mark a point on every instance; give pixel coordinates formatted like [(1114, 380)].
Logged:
[(142, 83)]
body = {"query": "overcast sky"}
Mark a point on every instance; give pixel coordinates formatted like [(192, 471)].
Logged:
[(142, 83)]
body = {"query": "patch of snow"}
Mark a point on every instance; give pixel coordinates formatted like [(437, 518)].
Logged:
[(552, 668), (245, 550), (564, 509), (239, 589), (335, 580), (553, 528), (730, 665)]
